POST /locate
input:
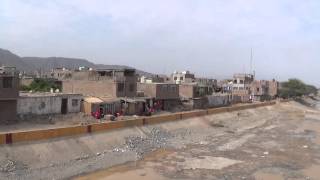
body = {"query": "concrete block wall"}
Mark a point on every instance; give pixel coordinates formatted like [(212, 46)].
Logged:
[(8, 138), (39, 105), (43, 105)]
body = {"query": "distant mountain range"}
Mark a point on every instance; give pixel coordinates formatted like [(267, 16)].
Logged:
[(31, 64)]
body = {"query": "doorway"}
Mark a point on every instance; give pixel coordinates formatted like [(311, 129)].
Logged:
[(64, 106)]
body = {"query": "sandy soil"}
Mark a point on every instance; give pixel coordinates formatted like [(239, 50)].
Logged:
[(276, 142)]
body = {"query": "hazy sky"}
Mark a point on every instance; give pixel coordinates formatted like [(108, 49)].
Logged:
[(209, 37)]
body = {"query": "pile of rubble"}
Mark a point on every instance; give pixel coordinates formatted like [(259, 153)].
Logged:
[(156, 139)]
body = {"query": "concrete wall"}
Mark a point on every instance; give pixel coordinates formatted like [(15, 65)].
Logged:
[(47, 105), (39, 105), (218, 100), (73, 107)]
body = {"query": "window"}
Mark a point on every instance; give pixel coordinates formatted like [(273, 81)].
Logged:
[(258, 89), (241, 88), (241, 81), (235, 88), (75, 102), (7, 82), (181, 78), (235, 81), (121, 87), (164, 87), (131, 87), (175, 78), (173, 88)]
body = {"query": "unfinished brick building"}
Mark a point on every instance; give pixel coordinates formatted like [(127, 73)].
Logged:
[(102, 83), (116, 85), (241, 91), (165, 95), (9, 92), (264, 90), (193, 90)]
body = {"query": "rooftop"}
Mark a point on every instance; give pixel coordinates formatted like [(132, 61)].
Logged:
[(45, 94), (115, 69), (243, 75), (165, 83)]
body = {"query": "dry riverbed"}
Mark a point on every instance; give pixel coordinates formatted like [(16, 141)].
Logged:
[(275, 142)]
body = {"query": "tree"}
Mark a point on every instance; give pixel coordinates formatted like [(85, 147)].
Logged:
[(41, 85), (296, 88)]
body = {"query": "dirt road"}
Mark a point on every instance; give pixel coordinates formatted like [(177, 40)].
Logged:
[(276, 142)]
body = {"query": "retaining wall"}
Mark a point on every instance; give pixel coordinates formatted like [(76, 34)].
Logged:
[(23, 136), (161, 119)]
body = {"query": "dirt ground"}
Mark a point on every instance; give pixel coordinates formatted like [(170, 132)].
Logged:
[(275, 142), (58, 120)]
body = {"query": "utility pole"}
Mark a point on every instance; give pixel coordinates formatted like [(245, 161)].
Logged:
[(251, 61)]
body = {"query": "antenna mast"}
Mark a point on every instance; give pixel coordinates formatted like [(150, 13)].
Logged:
[(251, 59), (251, 63)]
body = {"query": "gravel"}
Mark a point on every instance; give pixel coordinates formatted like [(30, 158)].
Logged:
[(11, 166), (156, 139)]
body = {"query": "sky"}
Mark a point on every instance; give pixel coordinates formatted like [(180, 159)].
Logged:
[(211, 38)]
